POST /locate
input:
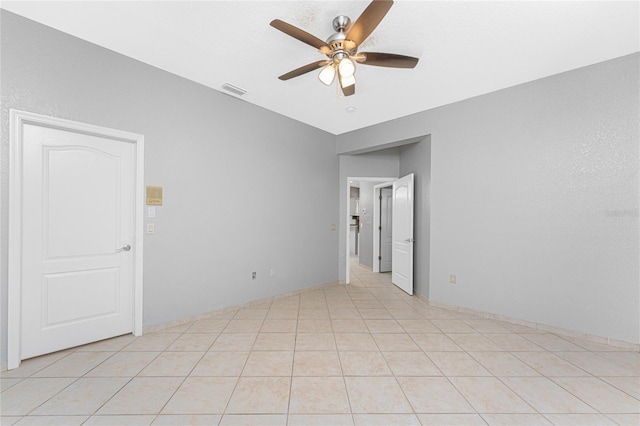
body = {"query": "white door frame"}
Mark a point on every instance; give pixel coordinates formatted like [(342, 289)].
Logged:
[(17, 121), (348, 216), (376, 224)]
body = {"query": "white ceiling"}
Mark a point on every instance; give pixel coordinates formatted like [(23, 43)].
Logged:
[(466, 48)]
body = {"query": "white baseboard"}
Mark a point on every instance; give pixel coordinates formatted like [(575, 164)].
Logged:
[(223, 311), (538, 326)]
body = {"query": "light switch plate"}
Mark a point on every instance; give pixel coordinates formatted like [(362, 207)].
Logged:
[(150, 228)]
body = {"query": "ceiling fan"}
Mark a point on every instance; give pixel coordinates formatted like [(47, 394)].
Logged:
[(341, 48)]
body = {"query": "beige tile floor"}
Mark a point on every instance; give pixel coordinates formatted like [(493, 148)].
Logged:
[(362, 354)]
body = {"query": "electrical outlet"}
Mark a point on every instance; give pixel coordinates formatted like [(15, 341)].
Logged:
[(452, 279), (253, 275), (272, 272)]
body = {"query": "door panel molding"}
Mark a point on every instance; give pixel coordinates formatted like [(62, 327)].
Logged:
[(18, 120)]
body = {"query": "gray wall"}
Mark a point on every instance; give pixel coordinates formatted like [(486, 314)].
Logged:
[(232, 173), (534, 198), (382, 163), (416, 158)]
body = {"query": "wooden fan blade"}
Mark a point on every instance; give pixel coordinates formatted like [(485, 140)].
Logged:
[(390, 60), (349, 90), (369, 20), (304, 69), (301, 35)]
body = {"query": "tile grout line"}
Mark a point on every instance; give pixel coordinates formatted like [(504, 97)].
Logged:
[(293, 364)]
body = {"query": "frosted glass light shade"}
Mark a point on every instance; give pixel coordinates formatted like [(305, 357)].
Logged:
[(327, 74), (346, 67)]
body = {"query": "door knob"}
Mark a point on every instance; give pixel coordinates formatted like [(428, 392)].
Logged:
[(125, 247), (409, 240)]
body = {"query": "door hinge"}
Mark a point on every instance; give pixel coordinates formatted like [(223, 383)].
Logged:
[(379, 257), (379, 228), (380, 197)]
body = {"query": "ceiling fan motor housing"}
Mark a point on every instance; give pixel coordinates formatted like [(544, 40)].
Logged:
[(340, 47)]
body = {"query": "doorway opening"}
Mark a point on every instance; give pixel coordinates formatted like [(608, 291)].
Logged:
[(360, 221)]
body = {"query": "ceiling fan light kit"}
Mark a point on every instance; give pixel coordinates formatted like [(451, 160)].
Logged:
[(327, 74), (341, 48), (346, 67)]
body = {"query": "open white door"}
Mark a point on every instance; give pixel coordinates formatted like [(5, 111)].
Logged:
[(402, 258)]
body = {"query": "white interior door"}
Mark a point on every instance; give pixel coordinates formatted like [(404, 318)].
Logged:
[(402, 258), (78, 230), (386, 224)]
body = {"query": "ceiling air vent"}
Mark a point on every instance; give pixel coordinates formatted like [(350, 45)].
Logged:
[(234, 89)]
